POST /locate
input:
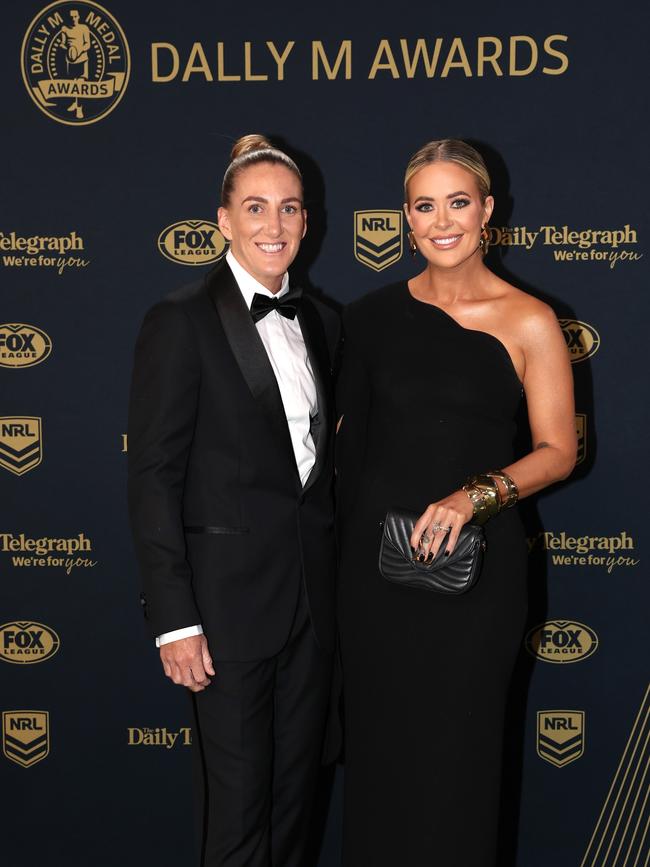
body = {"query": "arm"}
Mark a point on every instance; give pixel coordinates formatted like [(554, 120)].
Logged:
[(162, 410), (548, 384)]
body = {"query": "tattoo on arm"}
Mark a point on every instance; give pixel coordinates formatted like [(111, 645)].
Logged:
[(542, 446)]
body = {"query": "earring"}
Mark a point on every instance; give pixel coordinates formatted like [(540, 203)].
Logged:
[(484, 241), (413, 247)]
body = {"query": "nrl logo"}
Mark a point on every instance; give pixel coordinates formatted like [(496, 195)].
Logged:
[(25, 736), (378, 238), (560, 736), (21, 443)]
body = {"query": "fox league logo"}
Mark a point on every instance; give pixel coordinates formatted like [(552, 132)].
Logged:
[(75, 62)]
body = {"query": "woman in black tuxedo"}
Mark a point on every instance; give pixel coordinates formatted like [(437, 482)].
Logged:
[(230, 496), (434, 370)]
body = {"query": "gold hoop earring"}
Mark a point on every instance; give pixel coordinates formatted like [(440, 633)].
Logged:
[(484, 241), (413, 247)]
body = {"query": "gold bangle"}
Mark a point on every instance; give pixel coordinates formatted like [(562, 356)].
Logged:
[(484, 501), (512, 491)]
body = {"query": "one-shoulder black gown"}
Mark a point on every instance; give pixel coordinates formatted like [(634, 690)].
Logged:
[(426, 403)]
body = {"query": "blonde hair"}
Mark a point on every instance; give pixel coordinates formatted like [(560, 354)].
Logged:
[(250, 150), (450, 150)]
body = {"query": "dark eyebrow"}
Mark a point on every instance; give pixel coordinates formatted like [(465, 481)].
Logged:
[(266, 201), (450, 196)]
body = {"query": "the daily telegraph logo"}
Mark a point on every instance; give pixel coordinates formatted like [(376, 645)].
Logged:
[(42, 251), (25, 736), (23, 345), (582, 339), (565, 549), (560, 736), (610, 246), (192, 242), (159, 737), (581, 433), (21, 443), (48, 551), (377, 238), (561, 641), (75, 62), (25, 642)]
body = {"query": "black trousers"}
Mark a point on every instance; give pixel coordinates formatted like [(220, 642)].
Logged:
[(260, 728)]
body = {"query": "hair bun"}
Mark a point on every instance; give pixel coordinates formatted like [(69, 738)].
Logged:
[(249, 143)]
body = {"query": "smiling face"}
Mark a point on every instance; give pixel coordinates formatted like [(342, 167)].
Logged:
[(265, 221), (445, 213)]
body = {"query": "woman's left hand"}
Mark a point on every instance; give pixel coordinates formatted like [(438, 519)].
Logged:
[(440, 522)]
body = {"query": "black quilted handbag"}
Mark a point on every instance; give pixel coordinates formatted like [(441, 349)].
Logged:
[(452, 575)]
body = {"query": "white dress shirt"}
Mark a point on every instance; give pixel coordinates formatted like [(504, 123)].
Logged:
[(285, 347)]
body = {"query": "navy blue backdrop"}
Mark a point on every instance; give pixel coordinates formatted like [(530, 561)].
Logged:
[(110, 181)]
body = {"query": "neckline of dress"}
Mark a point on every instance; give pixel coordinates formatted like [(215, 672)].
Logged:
[(455, 322)]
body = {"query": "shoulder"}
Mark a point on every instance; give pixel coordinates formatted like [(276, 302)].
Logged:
[(526, 316), (329, 316)]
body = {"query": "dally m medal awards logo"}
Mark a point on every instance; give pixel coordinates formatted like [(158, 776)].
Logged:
[(192, 242), (75, 62), (582, 339), (25, 736), (581, 431), (21, 443), (560, 736), (378, 238), (23, 345)]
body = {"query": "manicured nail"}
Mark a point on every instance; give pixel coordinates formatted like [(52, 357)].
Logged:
[(447, 553)]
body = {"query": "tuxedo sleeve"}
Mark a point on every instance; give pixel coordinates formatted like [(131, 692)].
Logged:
[(162, 411)]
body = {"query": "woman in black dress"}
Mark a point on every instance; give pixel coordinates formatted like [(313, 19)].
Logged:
[(433, 373)]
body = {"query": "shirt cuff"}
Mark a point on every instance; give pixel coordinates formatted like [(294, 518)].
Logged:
[(177, 634)]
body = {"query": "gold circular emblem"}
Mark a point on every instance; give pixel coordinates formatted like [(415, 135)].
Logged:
[(75, 62)]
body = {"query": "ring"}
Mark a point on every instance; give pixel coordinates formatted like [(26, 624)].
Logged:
[(438, 528)]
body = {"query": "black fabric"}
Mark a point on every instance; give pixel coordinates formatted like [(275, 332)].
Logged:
[(209, 447), (425, 403), (259, 735)]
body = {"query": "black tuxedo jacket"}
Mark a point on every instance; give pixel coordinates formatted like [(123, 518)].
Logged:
[(224, 531)]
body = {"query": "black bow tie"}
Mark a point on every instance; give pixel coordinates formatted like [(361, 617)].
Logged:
[(287, 305)]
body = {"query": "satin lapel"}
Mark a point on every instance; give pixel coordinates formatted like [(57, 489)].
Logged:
[(250, 354), (316, 344)]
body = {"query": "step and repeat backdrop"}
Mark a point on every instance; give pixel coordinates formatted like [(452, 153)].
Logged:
[(118, 122)]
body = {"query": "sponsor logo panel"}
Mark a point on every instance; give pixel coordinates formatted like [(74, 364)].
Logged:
[(561, 641), (192, 242), (25, 736), (158, 737), (582, 339), (378, 238), (565, 549), (25, 642), (75, 62), (23, 345), (608, 246), (42, 251), (560, 736), (21, 443), (48, 551)]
